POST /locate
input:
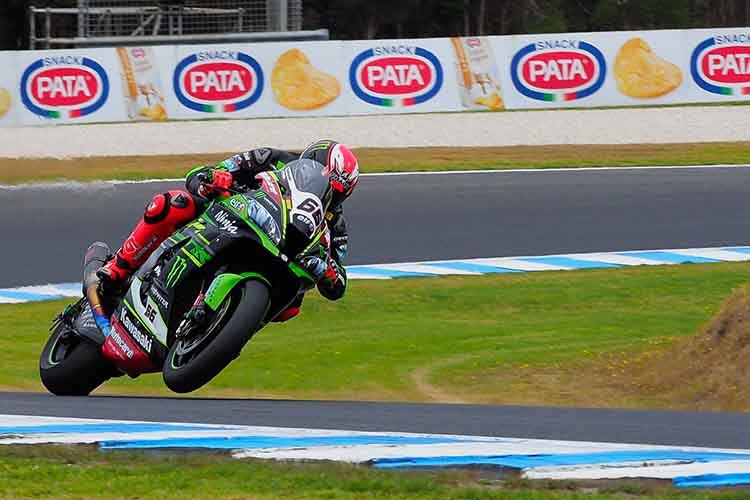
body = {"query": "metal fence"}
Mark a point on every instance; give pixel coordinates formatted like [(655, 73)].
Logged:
[(103, 22)]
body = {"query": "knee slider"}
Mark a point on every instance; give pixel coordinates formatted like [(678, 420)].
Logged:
[(157, 210), (183, 207), (179, 199)]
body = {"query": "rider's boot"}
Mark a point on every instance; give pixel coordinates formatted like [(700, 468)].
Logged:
[(166, 212), (291, 311), (286, 314)]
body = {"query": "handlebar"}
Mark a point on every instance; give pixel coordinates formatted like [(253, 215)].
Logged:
[(205, 178)]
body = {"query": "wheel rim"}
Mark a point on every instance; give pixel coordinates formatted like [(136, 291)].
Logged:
[(189, 346), (60, 350)]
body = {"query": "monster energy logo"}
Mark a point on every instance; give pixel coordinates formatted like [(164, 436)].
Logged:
[(259, 195), (175, 272)]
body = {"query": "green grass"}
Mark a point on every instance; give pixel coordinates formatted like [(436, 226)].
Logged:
[(81, 472), (374, 160), (451, 338)]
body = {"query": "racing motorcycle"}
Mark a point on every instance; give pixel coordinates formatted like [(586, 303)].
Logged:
[(204, 292)]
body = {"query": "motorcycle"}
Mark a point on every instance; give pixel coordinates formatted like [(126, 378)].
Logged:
[(189, 310)]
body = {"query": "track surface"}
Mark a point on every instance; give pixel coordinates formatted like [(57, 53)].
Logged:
[(422, 217), (642, 427)]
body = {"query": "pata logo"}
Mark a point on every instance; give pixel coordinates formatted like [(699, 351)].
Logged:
[(396, 75), (558, 70), (64, 86), (218, 81), (721, 65)]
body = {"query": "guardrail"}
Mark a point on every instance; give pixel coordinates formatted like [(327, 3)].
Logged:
[(157, 25)]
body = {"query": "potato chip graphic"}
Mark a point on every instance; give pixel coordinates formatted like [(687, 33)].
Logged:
[(492, 101), (641, 73), (4, 102), (157, 112), (298, 85)]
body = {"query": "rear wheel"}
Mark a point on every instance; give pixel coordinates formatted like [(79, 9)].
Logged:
[(71, 365), (200, 353)]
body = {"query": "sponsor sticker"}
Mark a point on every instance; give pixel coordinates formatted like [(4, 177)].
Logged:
[(396, 75), (64, 86), (237, 204), (721, 64), (558, 70), (224, 221), (218, 81), (143, 339)]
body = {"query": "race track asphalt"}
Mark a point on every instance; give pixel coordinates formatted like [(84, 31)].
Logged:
[(722, 430), (421, 217)]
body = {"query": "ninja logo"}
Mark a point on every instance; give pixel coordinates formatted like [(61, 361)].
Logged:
[(227, 224)]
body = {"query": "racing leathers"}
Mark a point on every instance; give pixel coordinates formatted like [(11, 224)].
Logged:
[(169, 211)]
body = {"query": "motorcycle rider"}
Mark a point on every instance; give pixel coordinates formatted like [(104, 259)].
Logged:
[(169, 211)]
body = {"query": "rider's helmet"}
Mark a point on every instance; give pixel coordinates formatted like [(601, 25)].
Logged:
[(341, 166)]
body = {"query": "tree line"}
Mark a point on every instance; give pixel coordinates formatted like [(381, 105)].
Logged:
[(370, 19), (354, 19)]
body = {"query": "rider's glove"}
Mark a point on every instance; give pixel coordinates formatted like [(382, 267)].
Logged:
[(316, 266), (332, 273), (215, 181)]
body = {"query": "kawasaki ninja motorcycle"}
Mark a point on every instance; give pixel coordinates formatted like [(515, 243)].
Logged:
[(201, 296)]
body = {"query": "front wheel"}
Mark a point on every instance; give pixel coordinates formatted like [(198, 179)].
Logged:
[(71, 365), (198, 356)]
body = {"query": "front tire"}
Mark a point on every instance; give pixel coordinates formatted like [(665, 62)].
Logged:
[(71, 365), (233, 325)]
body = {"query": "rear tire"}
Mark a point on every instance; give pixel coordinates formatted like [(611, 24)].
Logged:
[(248, 306), (72, 367)]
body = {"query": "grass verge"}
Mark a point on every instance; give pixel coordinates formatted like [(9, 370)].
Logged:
[(372, 160), (522, 338), (82, 472)]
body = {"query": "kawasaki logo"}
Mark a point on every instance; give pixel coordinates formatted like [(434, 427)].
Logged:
[(227, 224), (134, 332)]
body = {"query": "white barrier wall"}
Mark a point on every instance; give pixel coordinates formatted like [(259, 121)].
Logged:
[(374, 77)]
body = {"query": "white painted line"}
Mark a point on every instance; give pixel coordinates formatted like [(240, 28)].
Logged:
[(627, 470), (623, 260), (51, 289), (490, 447), (718, 254), (515, 263), (643, 461), (399, 174), (354, 275), (8, 300), (426, 269), (556, 169)]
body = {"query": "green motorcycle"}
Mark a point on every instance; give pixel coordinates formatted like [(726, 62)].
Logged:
[(202, 295)]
